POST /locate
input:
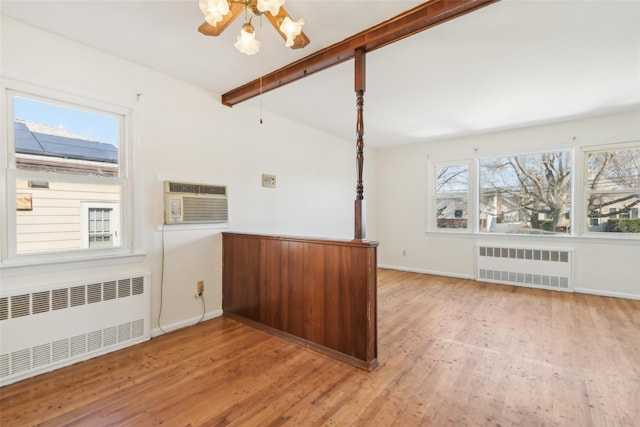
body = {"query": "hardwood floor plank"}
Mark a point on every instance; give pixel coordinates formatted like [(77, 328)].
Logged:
[(452, 352)]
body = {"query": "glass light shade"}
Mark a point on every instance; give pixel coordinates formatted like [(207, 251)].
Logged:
[(273, 6), (247, 43), (214, 10), (291, 29)]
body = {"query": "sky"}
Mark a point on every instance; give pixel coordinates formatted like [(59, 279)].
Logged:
[(97, 127)]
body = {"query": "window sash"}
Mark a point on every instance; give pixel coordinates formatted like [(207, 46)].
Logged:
[(454, 190), (8, 161), (514, 193), (615, 204), (100, 225), (64, 198)]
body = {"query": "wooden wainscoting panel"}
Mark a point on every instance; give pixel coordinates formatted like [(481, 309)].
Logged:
[(269, 303), (314, 289), (337, 297), (293, 283), (319, 291)]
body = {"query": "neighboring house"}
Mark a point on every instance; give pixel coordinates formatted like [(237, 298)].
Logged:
[(613, 197), (55, 215), (502, 212), (452, 213), (498, 212)]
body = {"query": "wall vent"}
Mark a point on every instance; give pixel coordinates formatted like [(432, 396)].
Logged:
[(194, 203), (54, 327), (531, 267)]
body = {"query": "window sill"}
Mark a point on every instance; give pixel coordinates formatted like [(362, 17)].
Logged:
[(56, 262), (183, 227), (628, 239)]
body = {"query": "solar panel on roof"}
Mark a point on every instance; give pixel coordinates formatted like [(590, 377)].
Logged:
[(28, 142), (25, 141)]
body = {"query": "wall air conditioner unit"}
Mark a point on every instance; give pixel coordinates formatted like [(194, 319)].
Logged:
[(186, 203)]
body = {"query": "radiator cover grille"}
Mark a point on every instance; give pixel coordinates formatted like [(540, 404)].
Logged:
[(532, 267), (49, 328)]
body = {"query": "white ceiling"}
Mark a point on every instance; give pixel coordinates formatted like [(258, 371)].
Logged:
[(511, 64)]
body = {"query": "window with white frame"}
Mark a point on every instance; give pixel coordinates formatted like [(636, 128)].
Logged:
[(451, 208), (612, 190), (66, 173), (532, 193), (100, 225), (526, 194)]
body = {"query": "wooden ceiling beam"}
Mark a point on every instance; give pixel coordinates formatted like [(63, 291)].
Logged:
[(413, 21)]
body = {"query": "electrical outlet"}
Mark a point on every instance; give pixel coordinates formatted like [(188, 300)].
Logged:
[(200, 287)]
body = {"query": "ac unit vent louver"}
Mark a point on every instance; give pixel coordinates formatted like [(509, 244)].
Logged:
[(195, 203), (178, 187)]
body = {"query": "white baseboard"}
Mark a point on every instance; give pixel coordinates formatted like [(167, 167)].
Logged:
[(184, 323), (606, 293), (472, 277), (421, 271)]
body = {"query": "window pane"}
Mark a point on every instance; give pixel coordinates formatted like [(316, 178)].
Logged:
[(613, 191), (452, 179), (100, 231), (65, 160), (451, 196), (57, 138), (54, 222), (613, 170), (99, 228), (613, 212), (451, 213), (527, 194)]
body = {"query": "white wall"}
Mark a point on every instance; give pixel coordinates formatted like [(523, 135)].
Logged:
[(184, 133), (602, 266)]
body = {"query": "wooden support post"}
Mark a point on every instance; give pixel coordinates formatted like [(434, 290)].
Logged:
[(360, 209)]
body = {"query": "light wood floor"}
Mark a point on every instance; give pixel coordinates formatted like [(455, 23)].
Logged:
[(452, 353)]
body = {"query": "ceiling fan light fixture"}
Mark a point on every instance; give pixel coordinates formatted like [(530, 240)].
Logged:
[(273, 6), (219, 14), (246, 42), (214, 10), (291, 29)]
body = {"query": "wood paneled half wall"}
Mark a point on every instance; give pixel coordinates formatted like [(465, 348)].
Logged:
[(318, 293)]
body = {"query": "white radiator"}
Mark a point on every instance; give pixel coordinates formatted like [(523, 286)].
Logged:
[(55, 326), (525, 266)]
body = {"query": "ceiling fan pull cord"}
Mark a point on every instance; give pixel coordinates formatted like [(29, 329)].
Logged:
[(260, 99)]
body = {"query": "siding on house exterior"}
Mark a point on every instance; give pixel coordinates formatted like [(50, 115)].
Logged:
[(57, 217), (55, 221)]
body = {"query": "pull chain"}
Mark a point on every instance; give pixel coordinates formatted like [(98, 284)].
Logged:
[(261, 77), (260, 99)]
